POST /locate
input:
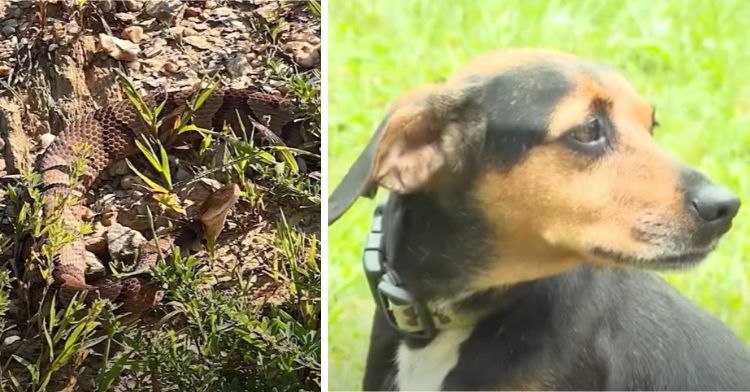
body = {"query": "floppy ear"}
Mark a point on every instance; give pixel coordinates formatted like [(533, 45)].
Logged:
[(425, 134)]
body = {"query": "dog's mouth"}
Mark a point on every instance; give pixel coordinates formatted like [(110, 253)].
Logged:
[(673, 259)]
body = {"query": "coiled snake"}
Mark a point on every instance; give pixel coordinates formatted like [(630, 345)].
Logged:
[(111, 132)]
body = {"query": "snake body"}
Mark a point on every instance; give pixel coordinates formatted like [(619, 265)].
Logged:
[(110, 132)]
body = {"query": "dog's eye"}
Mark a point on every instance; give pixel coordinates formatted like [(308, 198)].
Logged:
[(589, 138), (589, 133)]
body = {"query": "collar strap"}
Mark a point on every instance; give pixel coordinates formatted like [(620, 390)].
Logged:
[(407, 315)]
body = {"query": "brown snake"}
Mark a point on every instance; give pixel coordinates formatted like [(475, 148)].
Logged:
[(111, 132)]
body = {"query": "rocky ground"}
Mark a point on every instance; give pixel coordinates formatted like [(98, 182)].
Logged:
[(59, 60)]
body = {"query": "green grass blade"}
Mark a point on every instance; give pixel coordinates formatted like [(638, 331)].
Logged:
[(154, 186)]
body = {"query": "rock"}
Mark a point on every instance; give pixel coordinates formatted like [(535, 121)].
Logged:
[(153, 51), (222, 11), (268, 12), (191, 74), (131, 182), (191, 12), (18, 147), (123, 242), (305, 54), (200, 26), (238, 65), (5, 70), (197, 41), (210, 4), (134, 65), (133, 34), (93, 265), (133, 5), (9, 342), (125, 17), (106, 5), (72, 27), (176, 31), (8, 31), (165, 10), (10, 23), (183, 174), (189, 32), (171, 67), (119, 49), (119, 168)]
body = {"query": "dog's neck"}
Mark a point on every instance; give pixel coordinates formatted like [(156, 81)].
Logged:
[(432, 242), (438, 245)]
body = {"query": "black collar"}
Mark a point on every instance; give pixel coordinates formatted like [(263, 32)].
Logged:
[(412, 318)]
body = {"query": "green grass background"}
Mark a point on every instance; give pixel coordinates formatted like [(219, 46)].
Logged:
[(690, 58)]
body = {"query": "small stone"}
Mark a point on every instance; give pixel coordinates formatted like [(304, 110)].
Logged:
[(183, 174), (238, 65), (176, 31), (268, 12), (124, 242), (106, 5), (222, 11), (72, 27), (200, 26), (197, 41), (191, 74), (133, 5), (210, 4), (153, 51), (165, 10), (10, 23), (129, 182), (93, 265), (305, 54), (4, 70), (8, 31), (119, 49), (191, 12), (52, 47), (238, 25), (188, 32), (7, 342), (156, 82), (133, 34), (46, 139), (134, 65), (125, 17), (119, 168), (171, 67)]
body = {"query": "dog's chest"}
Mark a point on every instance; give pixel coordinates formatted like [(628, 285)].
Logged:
[(424, 369)]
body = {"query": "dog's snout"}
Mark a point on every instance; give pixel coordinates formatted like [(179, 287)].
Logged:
[(714, 204)]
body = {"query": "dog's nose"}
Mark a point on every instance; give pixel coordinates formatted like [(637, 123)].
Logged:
[(715, 205)]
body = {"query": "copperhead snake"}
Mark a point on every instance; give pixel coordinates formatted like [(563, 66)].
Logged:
[(111, 132)]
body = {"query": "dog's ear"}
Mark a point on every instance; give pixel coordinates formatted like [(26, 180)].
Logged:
[(425, 134)]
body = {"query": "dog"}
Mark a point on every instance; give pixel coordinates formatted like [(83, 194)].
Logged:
[(528, 200)]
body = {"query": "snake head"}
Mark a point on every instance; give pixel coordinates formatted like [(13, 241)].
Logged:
[(213, 212)]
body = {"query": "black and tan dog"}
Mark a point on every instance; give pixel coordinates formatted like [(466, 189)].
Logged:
[(516, 188)]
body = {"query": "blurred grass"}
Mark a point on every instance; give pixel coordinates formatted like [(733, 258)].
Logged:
[(688, 57)]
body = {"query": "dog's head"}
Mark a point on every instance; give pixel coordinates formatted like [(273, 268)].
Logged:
[(557, 154)]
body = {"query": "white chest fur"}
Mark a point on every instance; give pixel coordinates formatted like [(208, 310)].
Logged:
[(424, 369)]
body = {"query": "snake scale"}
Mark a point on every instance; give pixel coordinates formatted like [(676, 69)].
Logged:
[(111, 133)]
